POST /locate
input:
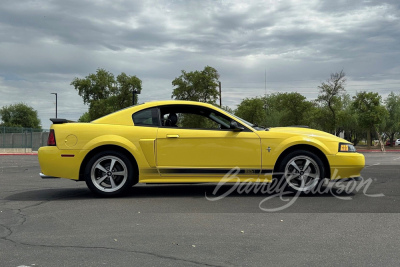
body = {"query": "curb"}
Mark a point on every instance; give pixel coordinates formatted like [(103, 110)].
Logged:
[(378, 151)]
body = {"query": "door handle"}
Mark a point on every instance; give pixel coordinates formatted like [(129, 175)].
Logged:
[(172, 135)]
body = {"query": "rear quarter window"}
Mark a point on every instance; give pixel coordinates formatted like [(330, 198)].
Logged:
[(148, 117)]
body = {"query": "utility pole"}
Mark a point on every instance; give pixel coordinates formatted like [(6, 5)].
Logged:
[(56, 102), (220, 95)]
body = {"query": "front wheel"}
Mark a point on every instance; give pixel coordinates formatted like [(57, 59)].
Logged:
[(109, 173), (302, 170)]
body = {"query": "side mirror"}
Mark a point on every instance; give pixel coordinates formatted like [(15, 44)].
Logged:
[(235, 126)]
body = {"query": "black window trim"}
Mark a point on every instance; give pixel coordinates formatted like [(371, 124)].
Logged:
[(246, 129)]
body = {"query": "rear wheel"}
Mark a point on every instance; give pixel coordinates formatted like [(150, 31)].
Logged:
[(109, 173), (302, 170)]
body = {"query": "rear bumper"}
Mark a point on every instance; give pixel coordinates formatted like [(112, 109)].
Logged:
[(43, 176), (60, 163)]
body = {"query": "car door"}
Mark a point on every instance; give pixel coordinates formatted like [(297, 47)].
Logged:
[(205, 151)]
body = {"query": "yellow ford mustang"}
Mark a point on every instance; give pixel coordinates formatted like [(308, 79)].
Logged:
[(190, 142)]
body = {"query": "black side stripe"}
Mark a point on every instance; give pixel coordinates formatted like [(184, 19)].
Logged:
[(211, 171)]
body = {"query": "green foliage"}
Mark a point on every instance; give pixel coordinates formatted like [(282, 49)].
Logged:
[(196, 122), (252, 110), (20, 115), (104, 94), (330, 99), (85, 117), (392, 103), (227, 108), (197, 86), (281, 109), (320, 116), (348, 121), (371, 113), (273, 110), (293, 108)]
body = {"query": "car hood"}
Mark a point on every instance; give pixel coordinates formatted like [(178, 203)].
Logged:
[(306, 132)]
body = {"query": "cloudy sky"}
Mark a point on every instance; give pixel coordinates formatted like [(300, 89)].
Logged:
[(45, 44)]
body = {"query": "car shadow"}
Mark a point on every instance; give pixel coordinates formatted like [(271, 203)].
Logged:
[(211, 190), (168, 191)]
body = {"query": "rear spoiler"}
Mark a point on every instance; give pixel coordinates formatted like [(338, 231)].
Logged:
[(59, 121)]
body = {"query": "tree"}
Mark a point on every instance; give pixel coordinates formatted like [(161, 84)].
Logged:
[(281, 109), (329, 97), (85, 117), (20, 115), (348, 121), (392, 103), (371, 114), (252, 110), (273, 110), (104, 94), (320, 116), (227, 109), (294, 109), (197, 86)]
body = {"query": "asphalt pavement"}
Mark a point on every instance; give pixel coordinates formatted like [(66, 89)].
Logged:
[(59, 222)]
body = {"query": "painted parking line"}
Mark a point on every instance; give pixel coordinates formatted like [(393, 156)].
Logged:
[(372, 165), (18, 154), (5, 167)]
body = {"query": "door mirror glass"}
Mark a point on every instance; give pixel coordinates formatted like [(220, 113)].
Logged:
[(235, 126)]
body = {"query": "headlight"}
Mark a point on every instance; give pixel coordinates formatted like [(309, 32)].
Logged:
[(344, 147)]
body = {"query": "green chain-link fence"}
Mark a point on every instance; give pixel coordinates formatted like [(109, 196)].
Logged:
[(13, 139)]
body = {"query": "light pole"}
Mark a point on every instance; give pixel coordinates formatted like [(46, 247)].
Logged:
[(56, 102), (134, 92)]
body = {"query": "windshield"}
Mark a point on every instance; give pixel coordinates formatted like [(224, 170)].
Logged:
[(255, 126)]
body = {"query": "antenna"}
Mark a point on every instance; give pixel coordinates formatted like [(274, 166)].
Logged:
[(265, 80)]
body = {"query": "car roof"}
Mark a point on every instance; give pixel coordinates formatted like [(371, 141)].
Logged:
[(173, 102), (124, 116)]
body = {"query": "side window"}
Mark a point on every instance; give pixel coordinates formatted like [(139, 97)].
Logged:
[(193, 117), (147, 117), (189, 120)]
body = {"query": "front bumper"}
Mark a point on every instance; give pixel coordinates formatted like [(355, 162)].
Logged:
[(345, 165)]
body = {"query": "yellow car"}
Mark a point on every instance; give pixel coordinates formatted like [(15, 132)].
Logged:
[(191, 142)]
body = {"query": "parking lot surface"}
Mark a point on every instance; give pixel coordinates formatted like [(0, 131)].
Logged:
[(59, 222)]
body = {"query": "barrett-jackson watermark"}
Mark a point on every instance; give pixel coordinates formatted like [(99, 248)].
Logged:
[(279, 188)]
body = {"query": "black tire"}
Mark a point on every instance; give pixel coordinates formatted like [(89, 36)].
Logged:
[(106, 182), (302, 170)]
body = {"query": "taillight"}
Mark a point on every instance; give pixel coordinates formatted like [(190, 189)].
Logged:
[(51, 141)]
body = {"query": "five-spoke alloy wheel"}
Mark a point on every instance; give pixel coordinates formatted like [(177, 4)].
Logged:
[(109, 173), (302, 170)]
